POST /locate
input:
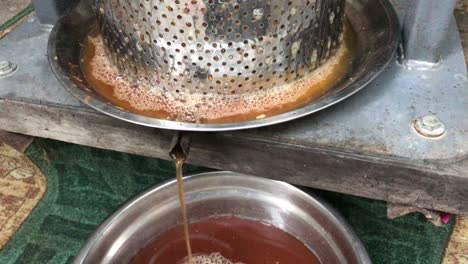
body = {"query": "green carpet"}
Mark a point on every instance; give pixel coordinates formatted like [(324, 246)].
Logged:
[(85, 185)]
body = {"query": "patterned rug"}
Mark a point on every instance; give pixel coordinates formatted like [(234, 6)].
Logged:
[(85, 185), (457, 249), (22, 186)]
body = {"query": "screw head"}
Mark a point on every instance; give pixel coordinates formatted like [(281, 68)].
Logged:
[(431, 122), (7, 68), (429, 126)]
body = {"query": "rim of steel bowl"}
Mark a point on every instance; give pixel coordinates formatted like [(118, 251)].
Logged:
[(377, 46)]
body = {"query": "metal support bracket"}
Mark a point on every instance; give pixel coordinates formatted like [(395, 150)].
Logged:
[(425, 28), (49, 11)]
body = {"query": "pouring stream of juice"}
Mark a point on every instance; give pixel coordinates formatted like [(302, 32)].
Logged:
[(179, 153), (183, 209)]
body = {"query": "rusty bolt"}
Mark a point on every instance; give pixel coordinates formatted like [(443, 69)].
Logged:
[(429, 126), (7, 68)]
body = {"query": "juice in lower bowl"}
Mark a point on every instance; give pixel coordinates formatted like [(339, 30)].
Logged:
[(227, 240)]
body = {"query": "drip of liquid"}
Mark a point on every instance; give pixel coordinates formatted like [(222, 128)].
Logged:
[(183, 209), (179, 155)]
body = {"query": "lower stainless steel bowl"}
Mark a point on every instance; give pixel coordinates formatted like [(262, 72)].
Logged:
[(306, 217)]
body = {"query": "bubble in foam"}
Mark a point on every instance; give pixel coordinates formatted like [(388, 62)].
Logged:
[(193, 107), (213, 258)]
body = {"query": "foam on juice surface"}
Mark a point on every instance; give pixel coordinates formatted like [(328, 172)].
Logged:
[(202, 107), (213, 258)]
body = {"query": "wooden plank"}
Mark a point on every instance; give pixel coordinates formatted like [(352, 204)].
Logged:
[(440, 188)]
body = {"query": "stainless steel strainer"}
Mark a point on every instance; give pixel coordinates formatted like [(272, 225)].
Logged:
[(219, 46)]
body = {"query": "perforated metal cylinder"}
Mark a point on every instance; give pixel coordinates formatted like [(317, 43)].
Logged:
[(219, 46)]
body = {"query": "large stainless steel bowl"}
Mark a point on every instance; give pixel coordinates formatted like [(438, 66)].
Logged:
[(306, 217), (374, 22)]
